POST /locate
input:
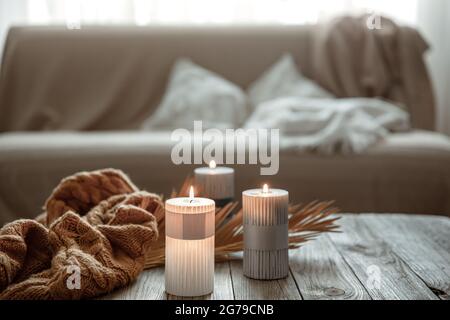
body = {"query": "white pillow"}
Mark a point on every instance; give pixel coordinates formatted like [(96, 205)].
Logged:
[(284, 80), (195, 93)]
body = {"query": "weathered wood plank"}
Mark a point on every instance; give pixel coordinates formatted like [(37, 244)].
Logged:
[(321, 273), (412, 254), (411, 240), (250, 289), (380, 270), (436, 228), (148, 286), (223, 287)]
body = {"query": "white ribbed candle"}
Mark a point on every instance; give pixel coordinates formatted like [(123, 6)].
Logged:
[(215, 183), (190, 225), (266, 236)]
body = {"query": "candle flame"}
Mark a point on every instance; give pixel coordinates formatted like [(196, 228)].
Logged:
[(191, 192), (265, 188), (212, 164)]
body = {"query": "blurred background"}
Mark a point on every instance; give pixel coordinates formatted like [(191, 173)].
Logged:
[(431, 17), (359, 90)]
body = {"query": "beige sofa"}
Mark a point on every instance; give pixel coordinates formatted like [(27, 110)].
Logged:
[(72, 100)]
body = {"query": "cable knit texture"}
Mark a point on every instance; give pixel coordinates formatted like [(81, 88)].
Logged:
[(97, 223)]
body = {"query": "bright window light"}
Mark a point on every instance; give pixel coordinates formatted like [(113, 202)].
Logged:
[(143, 12)]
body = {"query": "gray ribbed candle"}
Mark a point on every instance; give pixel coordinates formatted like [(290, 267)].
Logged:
[(266, 236), (215, 183)]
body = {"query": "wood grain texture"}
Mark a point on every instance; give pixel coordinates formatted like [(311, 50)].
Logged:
[(148, 286), (369, 255), (435, 228), (321, 273), (250, 289), (412, 254), (223, 287), (419, 243)]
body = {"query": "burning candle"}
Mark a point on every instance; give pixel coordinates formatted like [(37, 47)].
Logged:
[(215, 183), (190, 226), (266, 235)]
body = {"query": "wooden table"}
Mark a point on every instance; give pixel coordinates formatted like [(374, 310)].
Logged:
[(375, 257)]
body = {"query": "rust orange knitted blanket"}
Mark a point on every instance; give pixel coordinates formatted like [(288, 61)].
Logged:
[(92, 238)]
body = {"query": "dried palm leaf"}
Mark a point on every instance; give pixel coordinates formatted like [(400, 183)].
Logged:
[(306, 222)]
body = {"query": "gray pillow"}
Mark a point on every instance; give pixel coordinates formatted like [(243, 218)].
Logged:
[(284, 80), (195, 93)]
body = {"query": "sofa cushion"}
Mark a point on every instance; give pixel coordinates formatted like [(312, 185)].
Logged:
[(407, 173), (195, 93), (284, 80)]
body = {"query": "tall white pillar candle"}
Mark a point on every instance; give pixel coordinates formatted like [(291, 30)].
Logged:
[(215, 183), (266, 235), (190, 227)]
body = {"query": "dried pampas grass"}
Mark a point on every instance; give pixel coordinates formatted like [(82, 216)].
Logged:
[(305, 223)]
